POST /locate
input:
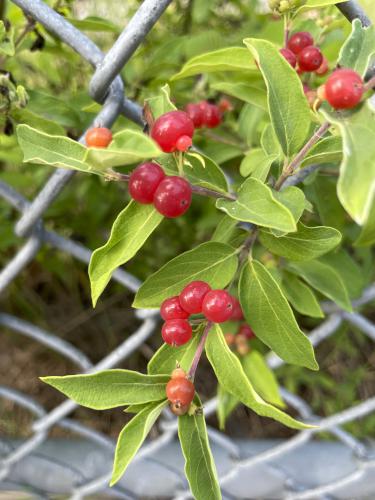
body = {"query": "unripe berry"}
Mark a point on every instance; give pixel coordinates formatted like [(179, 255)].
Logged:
[(171, 309), (321, 93), (180, 391), (211, 114), (323, 68), (144, 180), (195, 112), (168, 128), (344, 89), (311, 97), (289, 56), (217, 306), (229, 338), (310, 58), (178, 373), (98, 137), (299, 41), (246, 331), (225, 105), (178, 409), (184, 143), (173, 196), (242, 344), (191, 297), (176, 332), (237, 313)]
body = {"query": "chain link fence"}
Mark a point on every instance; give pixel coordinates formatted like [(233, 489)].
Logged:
[(297, 468)]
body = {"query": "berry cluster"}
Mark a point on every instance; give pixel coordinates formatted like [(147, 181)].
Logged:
[(170, 194), (241, 339), (206, 114), (180, 392), (197, 297), (344, 87)]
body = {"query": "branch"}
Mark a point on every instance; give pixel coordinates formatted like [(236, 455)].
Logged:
[(199, 351), (352, 10)]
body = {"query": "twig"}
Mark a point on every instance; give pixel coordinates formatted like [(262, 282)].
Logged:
[(199, 351), (297, 160)]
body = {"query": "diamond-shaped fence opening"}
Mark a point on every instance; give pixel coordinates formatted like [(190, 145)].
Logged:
[(297, 468)]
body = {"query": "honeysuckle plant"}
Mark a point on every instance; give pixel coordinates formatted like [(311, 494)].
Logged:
[(282, 240)]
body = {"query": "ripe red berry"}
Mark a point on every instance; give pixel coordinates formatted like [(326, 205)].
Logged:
[(184, 143), (344, 89), (176, 332), (217, 306), (237, 313), (180, 391), (173, 196), (168, 128), (310, 58), (211, 114), (98, 137), (144, 180), (299, 41), (289, 56), (171, 309), (246, 331), (195, 112), (323, 68), (191, 297)]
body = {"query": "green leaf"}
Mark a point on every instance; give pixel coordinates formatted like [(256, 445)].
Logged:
[(25, 116), (367, 234), (315, 4), (226, 403), (257, 164), (294, 199), (110, 388), (228, 59), (200, 468), (225, 230), (213, 262), (6, 40), (257, 204), (325, 279), (358, 49), (328, 150), (136, 408), (305, 244), (132, 436), (200, 170), (301, 296), (161, 103), (269, 142), (166, 357), (268, 313), (231, 376), (262, 378), (349, 271), (243, 91), (356, 185), (129, 232), (93, 23), (287, 104)]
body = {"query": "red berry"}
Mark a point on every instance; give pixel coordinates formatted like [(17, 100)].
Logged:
[(217, 306), (98, 137), (299, 41), (195, 112), (176, 332), (344, 89), (225, 105), (310, 58), (173, 196), (211, 114), (323, 68), (168, 128), (178, 373), (184, 143), (180, 391), (246, 331), (144, 180), (191, 297), (237, 313), (289, 56), (171, 309)]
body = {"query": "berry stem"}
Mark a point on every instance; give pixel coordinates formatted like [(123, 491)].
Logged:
[(297, 160), (370, 84), (286, 29), (199, 351), (180, 163)]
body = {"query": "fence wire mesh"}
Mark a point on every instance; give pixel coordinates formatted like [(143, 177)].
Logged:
[(257, 471)]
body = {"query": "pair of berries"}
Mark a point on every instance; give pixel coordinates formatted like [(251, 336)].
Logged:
[(171, 195), (180, 392), (173, 131), (206, 114), (300, 49), (241, 339), (196, 298)]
